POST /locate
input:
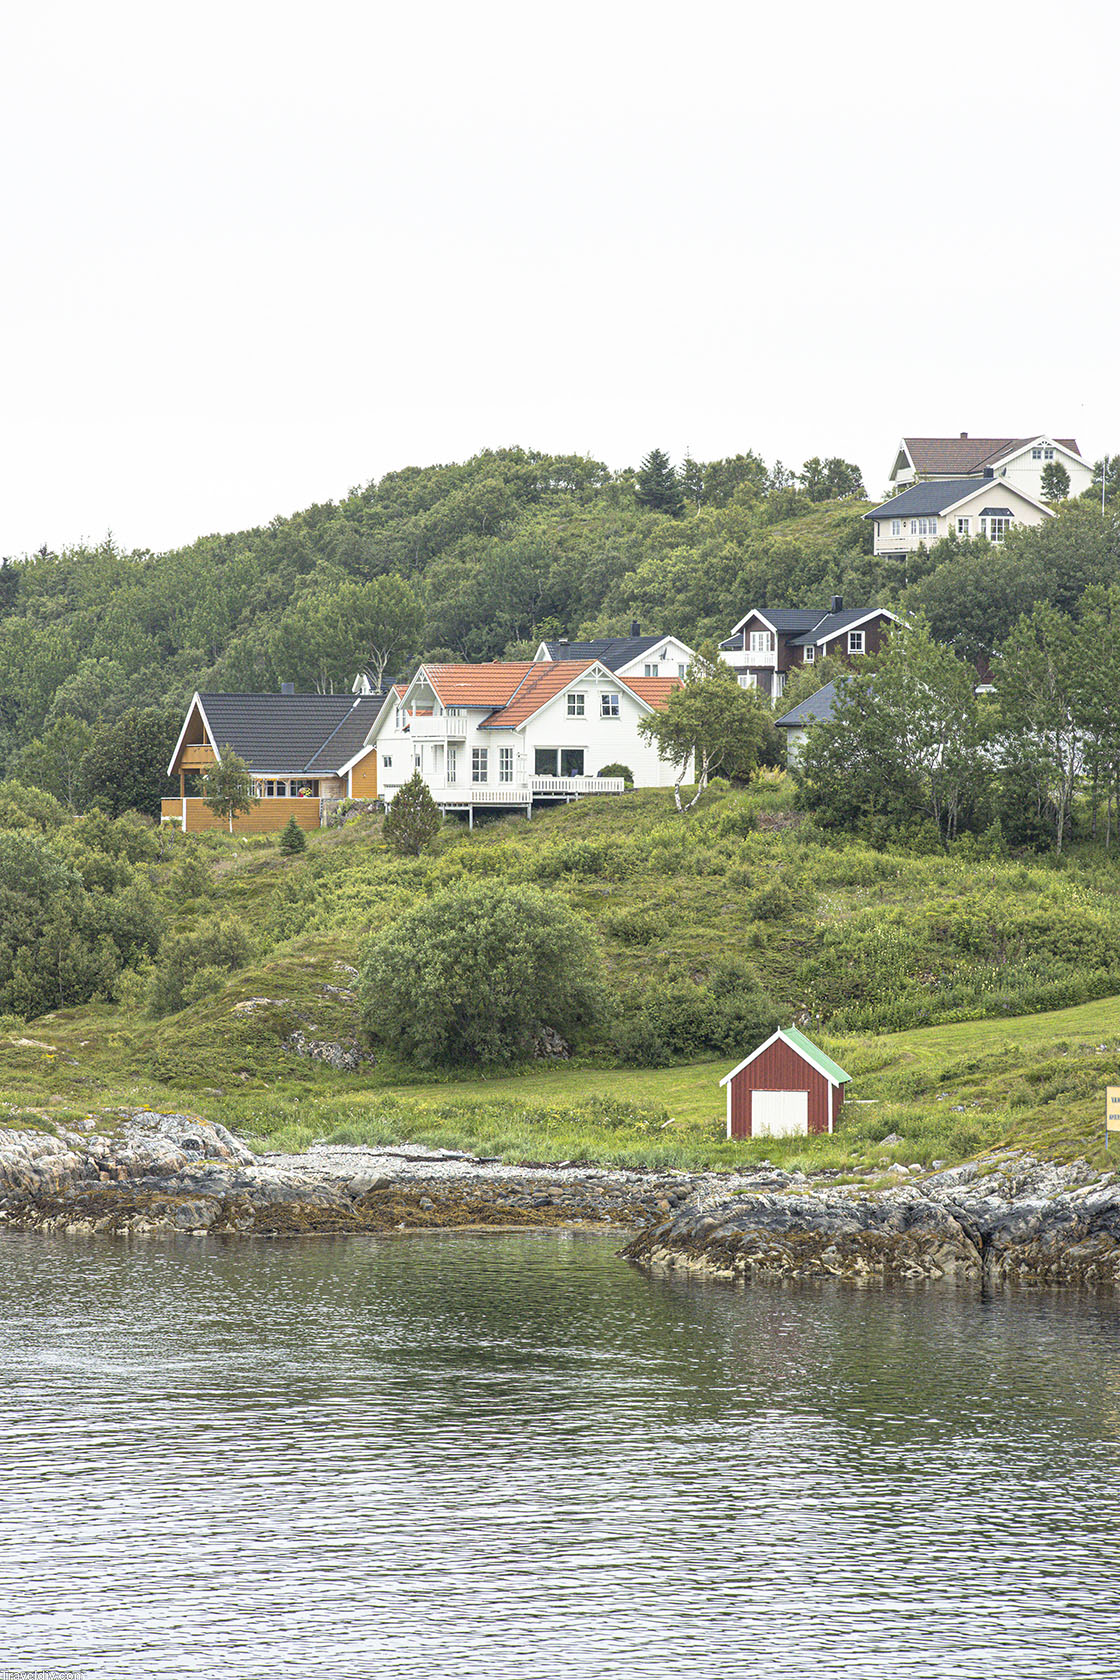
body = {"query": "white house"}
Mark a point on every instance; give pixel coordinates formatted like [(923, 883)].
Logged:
[(1021, 461), (508, 734), (964, 507), (628, 656)]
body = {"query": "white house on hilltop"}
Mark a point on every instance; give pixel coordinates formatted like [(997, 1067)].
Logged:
[(1020, 461), (514, 733)]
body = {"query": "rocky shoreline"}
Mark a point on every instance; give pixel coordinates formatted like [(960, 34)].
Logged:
[(162, 1174), (1007, 1219)]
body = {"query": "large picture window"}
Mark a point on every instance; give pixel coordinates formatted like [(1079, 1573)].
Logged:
[(571, 761), (546, 761)]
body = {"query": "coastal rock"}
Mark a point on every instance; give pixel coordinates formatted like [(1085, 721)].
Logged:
[(1024, 1221)]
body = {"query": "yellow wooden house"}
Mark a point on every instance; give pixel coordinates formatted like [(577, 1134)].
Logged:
[(301, 749)]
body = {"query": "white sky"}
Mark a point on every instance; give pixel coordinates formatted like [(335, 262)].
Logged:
[(258, 253)]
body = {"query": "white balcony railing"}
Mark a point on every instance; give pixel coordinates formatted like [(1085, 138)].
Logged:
[(748, 658), (520, 793), (441, 728), (561, 787)]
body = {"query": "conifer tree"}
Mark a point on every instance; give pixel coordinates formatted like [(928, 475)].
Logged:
[(658, 487)]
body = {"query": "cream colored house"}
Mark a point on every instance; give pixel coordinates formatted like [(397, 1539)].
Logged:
[(962, 507)]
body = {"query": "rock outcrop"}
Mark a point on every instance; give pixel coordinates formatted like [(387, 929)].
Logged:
[(1010, 1219)]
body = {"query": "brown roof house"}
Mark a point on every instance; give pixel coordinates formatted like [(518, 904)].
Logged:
[(1020, 461)]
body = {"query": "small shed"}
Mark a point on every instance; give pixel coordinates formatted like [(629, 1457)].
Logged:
[(785, 1088)]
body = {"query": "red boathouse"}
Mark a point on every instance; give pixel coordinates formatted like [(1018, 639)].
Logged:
[(785, 1088)]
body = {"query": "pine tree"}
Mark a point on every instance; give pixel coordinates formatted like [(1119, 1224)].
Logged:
[(292, 838), (658, 487), (412, 818)]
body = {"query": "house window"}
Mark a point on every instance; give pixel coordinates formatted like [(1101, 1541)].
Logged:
[(571, 761), (810, 655), (995, 527), (452, 764), (546, 761), (1047, 454), (896, 527), (505, 764), (855, 641), (761, 641), (479, 761), (963, 525), (417, 760), (682, 671), (608, 705), (748, 680), (1036, 454), (453, 711), (387, 761), (923, 527), (650, 670), (575, 705)]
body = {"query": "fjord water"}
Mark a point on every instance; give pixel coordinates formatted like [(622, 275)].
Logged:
[(519, 1457)]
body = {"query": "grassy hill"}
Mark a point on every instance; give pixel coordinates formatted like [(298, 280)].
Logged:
[(923, 975)]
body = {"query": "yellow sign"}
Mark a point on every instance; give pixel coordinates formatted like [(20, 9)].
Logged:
[(1112, 1108)]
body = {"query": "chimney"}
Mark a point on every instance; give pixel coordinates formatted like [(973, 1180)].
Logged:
[(964, 434), (287, 688), (837, 604), (563, 640), (635, 628)]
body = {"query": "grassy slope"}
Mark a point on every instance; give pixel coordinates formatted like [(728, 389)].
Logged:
[(946, 1091)]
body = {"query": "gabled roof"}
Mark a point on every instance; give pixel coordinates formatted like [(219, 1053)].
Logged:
[(815, 708), (805, 1048), (970, 455), (944, 495), (834, 624), (611, 651), (478, 685), (548, 678), (287, 734), (785, 620)]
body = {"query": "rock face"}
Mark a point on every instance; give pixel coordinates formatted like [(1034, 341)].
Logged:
[(1019, 1221)]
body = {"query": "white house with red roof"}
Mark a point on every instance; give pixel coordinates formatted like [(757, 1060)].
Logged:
[(518, 732)]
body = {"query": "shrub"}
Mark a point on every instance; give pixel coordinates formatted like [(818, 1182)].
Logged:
[(220, 945), (292, 838), (476, 972), (622, 770), (412, 818)]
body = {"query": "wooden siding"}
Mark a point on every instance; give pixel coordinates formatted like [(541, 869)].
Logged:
[(875, 632), (266, 818), (195, 755), (363, 778), (780, 1068)]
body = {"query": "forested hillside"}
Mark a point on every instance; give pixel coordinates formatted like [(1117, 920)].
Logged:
[(99, 649)]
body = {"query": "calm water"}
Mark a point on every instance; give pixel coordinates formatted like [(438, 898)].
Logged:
[(517, 1456)]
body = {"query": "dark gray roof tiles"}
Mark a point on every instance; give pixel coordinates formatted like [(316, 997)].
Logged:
[(929, 497), (832, 624), (287, 734), (611, 651), (815, 708)]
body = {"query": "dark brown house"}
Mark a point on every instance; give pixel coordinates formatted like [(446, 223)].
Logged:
[(769, 642), (785, 1088)]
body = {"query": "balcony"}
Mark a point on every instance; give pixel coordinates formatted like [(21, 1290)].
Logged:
[(519, 795), (749, 659), (445, 727)]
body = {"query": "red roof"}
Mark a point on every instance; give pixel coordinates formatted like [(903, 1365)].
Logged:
[(518, 688)]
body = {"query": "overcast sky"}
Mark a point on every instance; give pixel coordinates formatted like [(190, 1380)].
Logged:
[(256, 254)]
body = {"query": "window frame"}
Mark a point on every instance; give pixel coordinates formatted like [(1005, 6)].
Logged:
[(610, 704), (857, 641), (480, 765), (505, 765), (576, 706)]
